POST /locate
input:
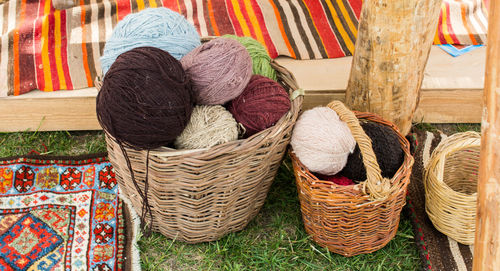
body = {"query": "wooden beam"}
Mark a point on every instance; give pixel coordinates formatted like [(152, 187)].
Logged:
[(451, 93), (487, 242), (449, 106), (392, 47), (441, 72), (53, 111)]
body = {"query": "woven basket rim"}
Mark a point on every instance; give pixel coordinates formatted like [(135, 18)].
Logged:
[(285, 79), (456, 142), (400, 178), (345, 219), (231, 178), (452, 212)]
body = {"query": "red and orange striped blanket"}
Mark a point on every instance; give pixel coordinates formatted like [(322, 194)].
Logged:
[(51, 49)]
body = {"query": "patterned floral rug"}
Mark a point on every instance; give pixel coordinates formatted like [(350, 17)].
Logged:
[(63, 213)]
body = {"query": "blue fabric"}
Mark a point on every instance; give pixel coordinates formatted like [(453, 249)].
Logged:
[(454, 51)]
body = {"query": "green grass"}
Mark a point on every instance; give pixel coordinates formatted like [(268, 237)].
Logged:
[(449, 128), (52, 143), (464, 127), (274, 240), (425, 126)]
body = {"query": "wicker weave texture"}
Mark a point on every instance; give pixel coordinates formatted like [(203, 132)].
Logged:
[(356, 219), (201, 195), (450, 181)]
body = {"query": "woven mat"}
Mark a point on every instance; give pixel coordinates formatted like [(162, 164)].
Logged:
[(438, 252), (63, 213)]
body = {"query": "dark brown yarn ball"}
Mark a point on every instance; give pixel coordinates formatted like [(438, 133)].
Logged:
[(261, 104), (387, 149), (146, 98)]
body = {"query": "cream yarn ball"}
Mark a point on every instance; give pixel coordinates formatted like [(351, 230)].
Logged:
[(321, 141), (209, 125)]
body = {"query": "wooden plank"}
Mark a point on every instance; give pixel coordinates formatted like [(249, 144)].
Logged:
[(318, 98), (324, 80), (449, 106), (441, 72), (436, 106), (444, 71), (78, 113), (48, 114), (319, 74), (487, 239)]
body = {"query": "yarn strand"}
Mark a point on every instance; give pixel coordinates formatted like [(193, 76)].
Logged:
[(146, 208)]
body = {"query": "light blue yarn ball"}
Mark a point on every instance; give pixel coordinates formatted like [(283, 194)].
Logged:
[(154, 27)]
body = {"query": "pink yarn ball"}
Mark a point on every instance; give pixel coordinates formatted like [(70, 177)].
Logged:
[(219, 70), (261, 105)]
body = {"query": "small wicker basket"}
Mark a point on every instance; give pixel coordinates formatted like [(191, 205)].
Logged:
[(201, 195), (450, 181), (356, 219)]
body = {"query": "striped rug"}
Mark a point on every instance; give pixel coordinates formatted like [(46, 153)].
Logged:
[(462, 22), (50, 49), (53, 49), (438, 251)]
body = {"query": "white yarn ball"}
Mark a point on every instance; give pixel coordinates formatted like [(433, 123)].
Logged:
[(209, 125), (321, 141)]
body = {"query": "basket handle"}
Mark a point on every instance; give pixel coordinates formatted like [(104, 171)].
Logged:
[(375, 185)]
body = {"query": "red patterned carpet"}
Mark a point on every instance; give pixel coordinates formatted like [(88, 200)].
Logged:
[(62, 214)]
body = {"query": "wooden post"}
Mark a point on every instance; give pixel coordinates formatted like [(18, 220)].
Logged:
[(392, 47), (487, 242)]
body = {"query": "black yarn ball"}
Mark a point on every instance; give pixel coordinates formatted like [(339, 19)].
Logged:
[(386, 147), (146, 98)]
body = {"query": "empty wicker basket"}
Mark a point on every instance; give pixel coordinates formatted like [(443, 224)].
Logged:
[(450, 181), (201, 195), (355, 219)]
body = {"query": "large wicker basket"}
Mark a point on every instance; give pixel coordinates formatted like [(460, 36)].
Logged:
[(450, 181), (201, 195), (355, 219)]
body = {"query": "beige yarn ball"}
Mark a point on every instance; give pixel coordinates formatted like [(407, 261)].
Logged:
[(209, 125), (321, 141)]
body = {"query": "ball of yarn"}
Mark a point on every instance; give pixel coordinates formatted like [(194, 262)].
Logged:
[(146, 98), (261, 61), (260, 105), (210, 125), (156, 27), (336, 179), (321, 141), (219, 70), (387, 149)]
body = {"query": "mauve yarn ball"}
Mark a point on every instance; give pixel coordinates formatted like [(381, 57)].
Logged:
[(321, 141), (156, 27), (219, 70), (336, 179), (260, 105), (261, 61), (146, 98), (387, 149)]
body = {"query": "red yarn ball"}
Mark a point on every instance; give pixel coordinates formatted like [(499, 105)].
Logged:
[(337, 179), (261, 104)]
